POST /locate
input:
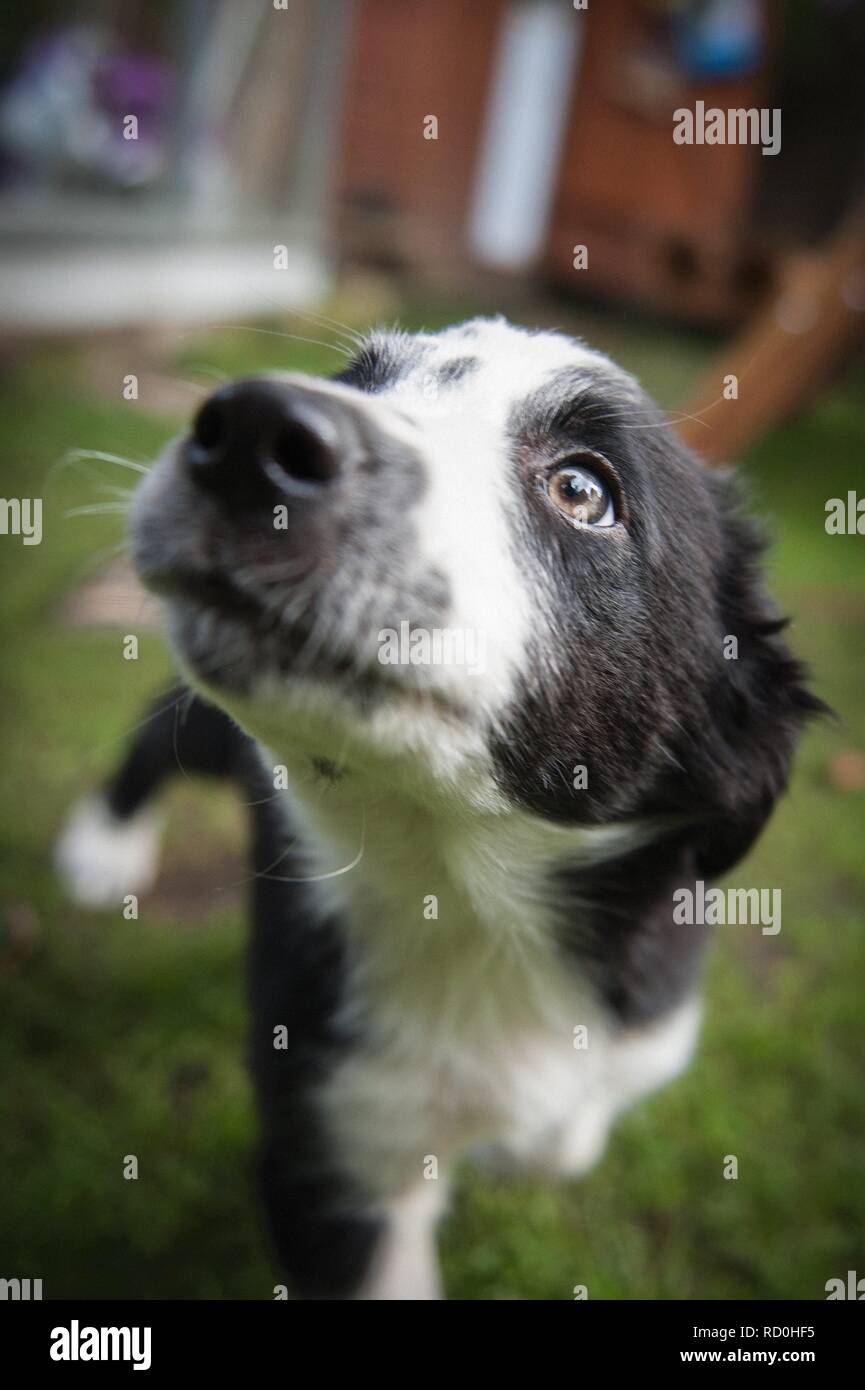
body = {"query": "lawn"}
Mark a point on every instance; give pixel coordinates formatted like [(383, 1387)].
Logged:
[(127, 1037)]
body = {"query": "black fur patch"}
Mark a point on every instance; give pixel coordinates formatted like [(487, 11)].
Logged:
[(322, 1233), (617, 922), (382, 361), (632, 682), (456, 369), (633, 686), (297, 980)]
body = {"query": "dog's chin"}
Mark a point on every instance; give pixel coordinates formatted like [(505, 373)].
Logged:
[(235, 647), (229, 647)]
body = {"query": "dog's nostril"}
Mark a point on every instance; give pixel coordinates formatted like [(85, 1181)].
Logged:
[(209, 429), (308, 455)]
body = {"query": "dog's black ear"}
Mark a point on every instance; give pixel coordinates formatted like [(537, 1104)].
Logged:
[(757, 700)]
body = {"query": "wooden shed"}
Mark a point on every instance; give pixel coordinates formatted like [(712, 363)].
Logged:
[(553, 128)]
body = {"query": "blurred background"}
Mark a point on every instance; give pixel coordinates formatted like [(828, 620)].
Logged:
[(199, 189)]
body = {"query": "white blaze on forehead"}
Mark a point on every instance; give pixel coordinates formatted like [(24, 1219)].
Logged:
[(465, 517)]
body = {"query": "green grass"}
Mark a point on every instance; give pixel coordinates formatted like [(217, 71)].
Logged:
[(127, 1037)]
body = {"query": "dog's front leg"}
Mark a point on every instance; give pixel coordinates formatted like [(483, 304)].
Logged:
[(404, 1264), (330, 1246)]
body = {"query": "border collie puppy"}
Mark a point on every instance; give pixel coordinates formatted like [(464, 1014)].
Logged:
[(472, 599)]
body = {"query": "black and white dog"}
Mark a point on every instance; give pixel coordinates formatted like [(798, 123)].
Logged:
[(474, 866)]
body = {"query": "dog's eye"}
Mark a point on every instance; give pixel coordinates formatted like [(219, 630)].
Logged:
[(581, 495)]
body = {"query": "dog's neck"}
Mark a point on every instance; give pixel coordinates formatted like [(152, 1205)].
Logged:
[(420, 832), (451, 860)]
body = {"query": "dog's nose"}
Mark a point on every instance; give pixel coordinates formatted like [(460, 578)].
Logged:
[(254, 439)]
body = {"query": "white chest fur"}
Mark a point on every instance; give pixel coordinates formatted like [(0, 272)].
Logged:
[(476, 1030)]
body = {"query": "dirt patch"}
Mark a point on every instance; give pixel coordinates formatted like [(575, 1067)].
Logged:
[(195, 892), (112, 597)]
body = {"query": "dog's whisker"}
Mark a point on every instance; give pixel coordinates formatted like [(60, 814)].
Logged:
[(322, 878), (195, 387), (346, 332), (294, 337), (99, 456), (98, 509), (79, 459), (141, 724), (127, 493), (207, 370), (180, 718)]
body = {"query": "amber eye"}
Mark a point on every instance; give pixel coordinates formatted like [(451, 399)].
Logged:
[(581, 495)]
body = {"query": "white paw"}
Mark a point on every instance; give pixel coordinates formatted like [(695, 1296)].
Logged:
[(573, 1148), (101, 859)]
